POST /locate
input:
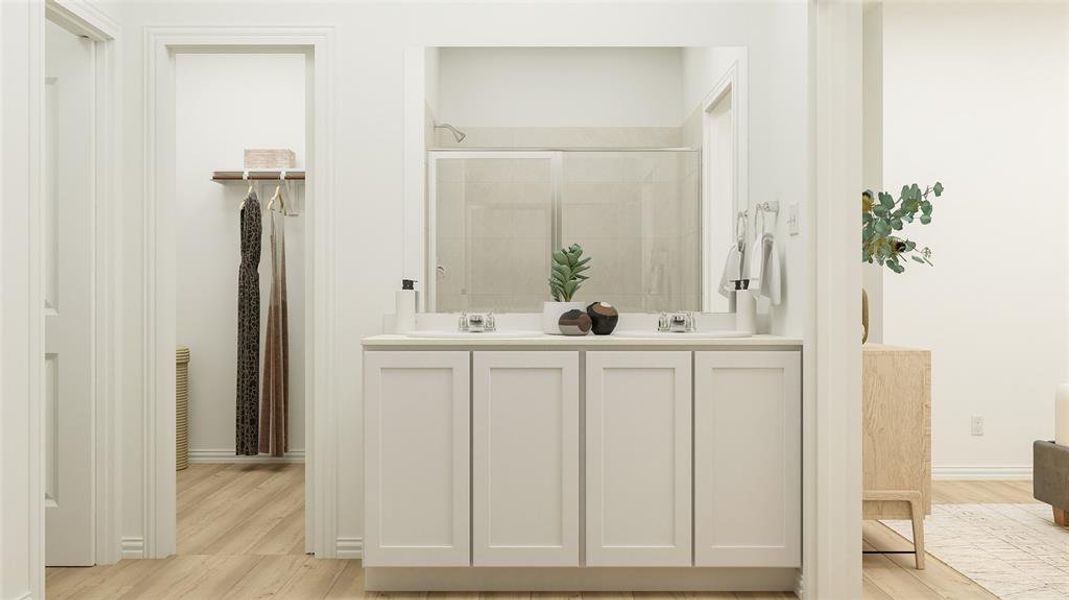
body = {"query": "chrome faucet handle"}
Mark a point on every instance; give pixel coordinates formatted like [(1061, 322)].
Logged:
[(682, 322), (476, 322)]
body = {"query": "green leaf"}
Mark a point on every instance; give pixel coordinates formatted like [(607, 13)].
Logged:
[(938, 189), (925, 219), (882, 228), (886, 201), (896, 224), (918, 259)]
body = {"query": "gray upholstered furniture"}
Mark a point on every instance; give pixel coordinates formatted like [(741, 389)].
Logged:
[(1050, 478)]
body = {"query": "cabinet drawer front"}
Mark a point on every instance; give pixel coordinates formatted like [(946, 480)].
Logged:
[(747, 459), (525, 459), (416, 425), (638, 458)]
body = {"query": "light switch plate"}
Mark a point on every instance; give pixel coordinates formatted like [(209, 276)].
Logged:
[(792, 219)]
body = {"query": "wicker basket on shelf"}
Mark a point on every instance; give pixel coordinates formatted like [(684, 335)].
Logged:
[(182, 405)]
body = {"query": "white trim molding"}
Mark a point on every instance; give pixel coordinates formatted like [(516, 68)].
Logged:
[(982, 473), (227, 456), (349, 548), (158, 323), (832, 392), (133, 547), (22, 27)]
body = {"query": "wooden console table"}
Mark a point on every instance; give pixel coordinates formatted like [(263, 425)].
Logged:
[(897, 439)]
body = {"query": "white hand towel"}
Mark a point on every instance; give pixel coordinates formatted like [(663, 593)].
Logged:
[(732, 271), (755, 265), (769, 279)]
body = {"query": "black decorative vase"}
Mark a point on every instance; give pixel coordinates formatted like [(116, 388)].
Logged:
[(603, 317), (574, 322)]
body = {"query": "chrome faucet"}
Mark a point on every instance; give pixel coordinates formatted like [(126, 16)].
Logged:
[(680, 322), (476, 322)]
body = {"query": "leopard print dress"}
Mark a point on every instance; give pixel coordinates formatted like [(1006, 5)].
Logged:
[(248, 376)]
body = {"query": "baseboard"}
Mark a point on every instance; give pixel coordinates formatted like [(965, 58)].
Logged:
[(227, 456), (799, 586), (982, 473), (133, 547), (350, 548)]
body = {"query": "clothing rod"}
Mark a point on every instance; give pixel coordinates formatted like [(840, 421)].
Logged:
[(295, 175)]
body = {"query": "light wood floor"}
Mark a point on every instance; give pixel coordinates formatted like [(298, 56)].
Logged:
[(241, 536)]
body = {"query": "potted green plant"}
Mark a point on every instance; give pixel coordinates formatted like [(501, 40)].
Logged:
[(883, 218), (565, 278)]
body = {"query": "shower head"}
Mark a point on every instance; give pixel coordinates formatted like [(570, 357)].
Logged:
[(458, 135)]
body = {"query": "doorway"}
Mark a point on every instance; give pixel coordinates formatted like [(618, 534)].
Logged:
[(242, 491), (725, 202), (159, 492)]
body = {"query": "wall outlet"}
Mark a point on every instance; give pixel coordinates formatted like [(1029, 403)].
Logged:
[(978, 426), (792, 219)]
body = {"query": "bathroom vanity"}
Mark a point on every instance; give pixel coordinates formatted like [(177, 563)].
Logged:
[(554, 463)]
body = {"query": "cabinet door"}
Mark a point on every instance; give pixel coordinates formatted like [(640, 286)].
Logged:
[(416, 423), (638, 458), (747, 459), (525, 459)]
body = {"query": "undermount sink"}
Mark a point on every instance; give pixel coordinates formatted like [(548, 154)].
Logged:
[(469, 334), (706, 335)]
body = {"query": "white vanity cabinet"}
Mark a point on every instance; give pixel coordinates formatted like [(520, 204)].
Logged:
[(417, 413), (747, 459), (557, 464), (638, 450), (525, 459)]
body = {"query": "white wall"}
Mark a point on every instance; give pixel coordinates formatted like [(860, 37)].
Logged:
[(224, 104), (560, 87), (368, 106), (974, 95)]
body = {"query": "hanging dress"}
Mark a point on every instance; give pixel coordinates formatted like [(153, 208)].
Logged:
[(248, 375), (274, 407)]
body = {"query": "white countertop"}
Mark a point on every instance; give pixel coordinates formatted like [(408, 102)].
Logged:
[(586, 342)]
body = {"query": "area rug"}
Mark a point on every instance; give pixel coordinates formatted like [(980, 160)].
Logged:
[(1015, 551)]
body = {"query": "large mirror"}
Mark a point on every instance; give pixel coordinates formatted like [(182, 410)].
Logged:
[(633, 153)]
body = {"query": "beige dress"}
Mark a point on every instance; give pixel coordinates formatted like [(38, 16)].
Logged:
[(274, 400)]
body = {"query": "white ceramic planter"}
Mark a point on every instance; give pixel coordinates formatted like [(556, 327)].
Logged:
[(551, 312)]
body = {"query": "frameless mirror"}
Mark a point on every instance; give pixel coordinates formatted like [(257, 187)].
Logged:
[(532, 149)]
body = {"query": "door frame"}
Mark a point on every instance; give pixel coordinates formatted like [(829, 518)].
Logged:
[(732, 82), (159, 318), (84, 19)]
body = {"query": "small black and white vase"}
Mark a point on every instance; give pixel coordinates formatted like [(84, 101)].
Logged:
[(603, 317), (574, 322)]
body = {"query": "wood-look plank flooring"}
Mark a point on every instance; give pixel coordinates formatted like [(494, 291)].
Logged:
[(888, 576), (241, 536)]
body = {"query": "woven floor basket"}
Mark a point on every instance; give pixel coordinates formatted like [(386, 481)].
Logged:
[(182, 404)]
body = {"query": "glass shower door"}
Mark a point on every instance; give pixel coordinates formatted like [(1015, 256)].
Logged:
[(494, 225), (637, 215)]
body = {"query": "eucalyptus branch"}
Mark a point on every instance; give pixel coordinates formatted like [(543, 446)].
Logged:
[(882, 216)]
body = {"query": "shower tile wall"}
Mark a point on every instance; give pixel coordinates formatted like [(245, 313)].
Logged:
[(635, 213), (637, 216)]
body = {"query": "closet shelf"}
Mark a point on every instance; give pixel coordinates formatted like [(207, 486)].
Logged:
[(257, 175)]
